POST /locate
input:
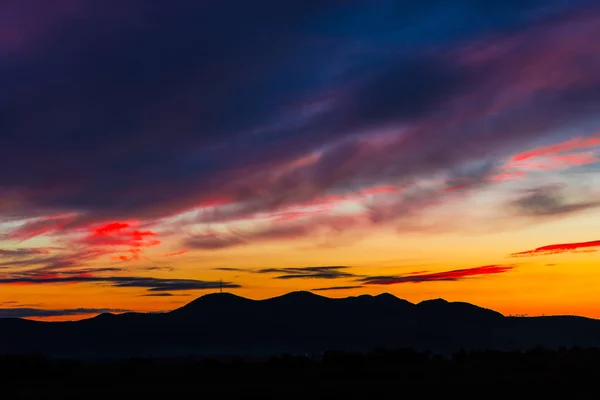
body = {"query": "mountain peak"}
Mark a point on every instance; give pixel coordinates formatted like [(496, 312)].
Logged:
[(214, 299), (298, 297), (433, 302), (387, 295), (221, 295), (302, 294)]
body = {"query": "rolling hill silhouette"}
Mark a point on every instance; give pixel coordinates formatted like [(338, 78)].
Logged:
[(224, 324)]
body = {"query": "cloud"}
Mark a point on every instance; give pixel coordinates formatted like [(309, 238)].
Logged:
[(33, 262), (560, 248), (317, 227), (122, 241), (24, 252), (213, 241), (152, 284), (121, 235), (56, 261), (558, 149), (317, 272), (454, 275), (177, 253), (325, 272), (25, 312), (157, 295), (336, 288), (549, 201), (153, 268), (164, 295), (38, 226), (232, 129)]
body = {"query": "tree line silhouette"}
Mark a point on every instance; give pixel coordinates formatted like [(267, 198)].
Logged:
[(295, 376)]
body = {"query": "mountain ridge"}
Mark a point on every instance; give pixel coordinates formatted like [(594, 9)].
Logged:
[(297, 322)]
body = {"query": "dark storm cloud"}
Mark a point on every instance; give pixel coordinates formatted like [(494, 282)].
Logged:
[(142, 109)]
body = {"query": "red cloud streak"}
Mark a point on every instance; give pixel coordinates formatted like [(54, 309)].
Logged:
[(120, 233), (40, 226), (453, 275), (574, 144), (177, 253), (559, 248)]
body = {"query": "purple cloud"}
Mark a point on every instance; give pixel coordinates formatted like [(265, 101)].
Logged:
[(145, 111)]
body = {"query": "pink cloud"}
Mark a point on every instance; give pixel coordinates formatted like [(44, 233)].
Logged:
[(41, 226), (292, 215), (555, 149), (570, 153)]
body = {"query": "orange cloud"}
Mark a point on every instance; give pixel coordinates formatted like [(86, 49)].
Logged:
[(559, 248)]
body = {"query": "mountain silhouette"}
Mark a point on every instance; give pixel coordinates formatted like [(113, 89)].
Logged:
[(224, 324)]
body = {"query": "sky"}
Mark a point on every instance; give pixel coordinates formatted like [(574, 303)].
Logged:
[(428, 149)]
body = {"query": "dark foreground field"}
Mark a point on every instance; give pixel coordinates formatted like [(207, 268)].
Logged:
[(394, 374)]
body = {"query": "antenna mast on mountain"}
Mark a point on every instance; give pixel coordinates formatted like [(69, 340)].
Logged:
[(221, 285)]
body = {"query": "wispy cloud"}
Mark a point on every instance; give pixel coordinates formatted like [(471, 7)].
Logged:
[(332, 288), (453, 275), (325, 272), (24, 252), (559, 149), (590, 246), (26, 312), (317, 272), (38, 226), (214, 241), (549, 201), (177, 253), (163, 294), (53, 261), (152, 284)]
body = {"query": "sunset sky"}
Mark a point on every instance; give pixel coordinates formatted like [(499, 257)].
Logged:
[(429, 149)]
